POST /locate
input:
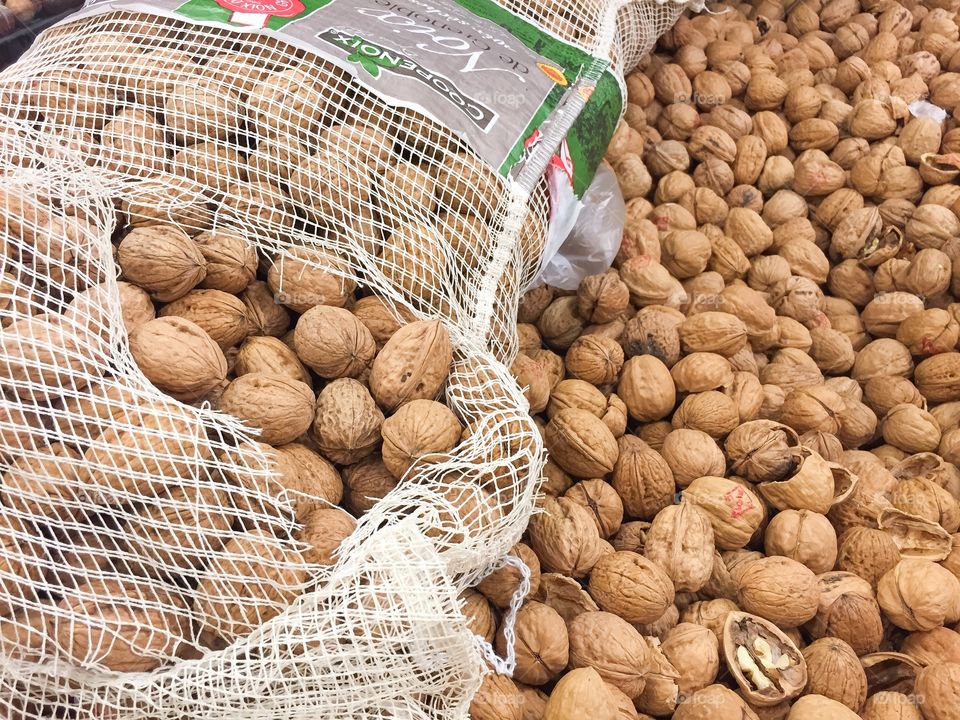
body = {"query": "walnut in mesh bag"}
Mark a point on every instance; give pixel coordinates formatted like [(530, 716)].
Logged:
[(303, 277), (231, 260), (122, 625), (330, 185), (221, 315), (134, 143), (239, 72), (43, 354), (276, 157), (466, 184), (413, 259), (409, 189), (22, 562), (68, 98), (371, 145), (175, 535), (166, 199), (43, 483), (296, 479), (413, 364), (323, 530), (141, 450), (216, 167), (254, 578), (201, 109), (295, 101), (154, 74), (262, 209), (347, 423)]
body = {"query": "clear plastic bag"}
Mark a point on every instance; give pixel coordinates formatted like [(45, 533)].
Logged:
[(594, 240)]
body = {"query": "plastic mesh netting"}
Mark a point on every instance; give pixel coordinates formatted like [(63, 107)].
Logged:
[(151, 554)]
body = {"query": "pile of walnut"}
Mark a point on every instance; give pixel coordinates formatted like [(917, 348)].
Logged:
[(346, 396), (345, 400), (751, 505)]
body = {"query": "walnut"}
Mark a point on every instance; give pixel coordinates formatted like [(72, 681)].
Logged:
[(179, 357), (565, 537), (594, 358), (680, 540), (333, 342), (834, 671), (734, 511), (133, 143), (417, 429), (542, 644), (324, 529), (804, 536), (122, 626), (347, 423), (268, 317), (611, 646), (647, 388), (603, 502), (365, 484), (501, 585), (919, 595), (780, 590), (162, 260), (631, 586), (642, 478), (581, 444)]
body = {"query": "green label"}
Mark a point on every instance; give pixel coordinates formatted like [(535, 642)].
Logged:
[(507, 87)]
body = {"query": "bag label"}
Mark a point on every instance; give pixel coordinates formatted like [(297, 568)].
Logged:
[(495, 79)]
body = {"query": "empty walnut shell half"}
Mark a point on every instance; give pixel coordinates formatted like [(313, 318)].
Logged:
[(766, 664), (890, 671), (816, 485), (915, 536)]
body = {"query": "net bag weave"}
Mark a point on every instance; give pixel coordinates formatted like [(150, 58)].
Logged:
[(147, 561)]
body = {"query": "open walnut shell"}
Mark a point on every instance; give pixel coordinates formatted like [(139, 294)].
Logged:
[(565, 595), (816, 485), (890, 671), (766, 664), (939, 169), (915, 536), (929, 466), (885, 245)]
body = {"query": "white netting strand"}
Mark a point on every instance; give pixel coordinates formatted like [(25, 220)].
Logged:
[(152, 561)]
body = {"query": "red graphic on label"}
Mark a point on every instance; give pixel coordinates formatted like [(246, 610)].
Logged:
[(276, 8), (563, 162), (536, 137), (738, 501)]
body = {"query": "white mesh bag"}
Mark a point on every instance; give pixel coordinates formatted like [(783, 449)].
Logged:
[(147, 561)]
